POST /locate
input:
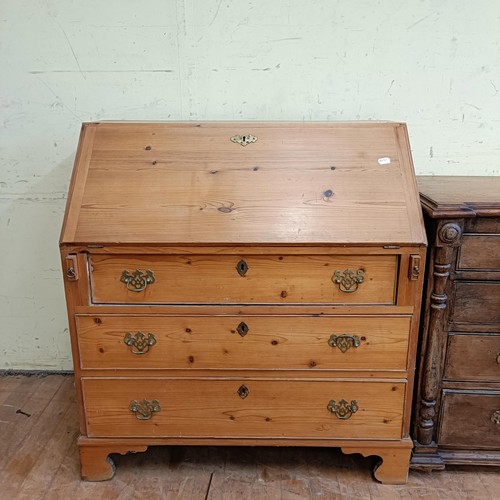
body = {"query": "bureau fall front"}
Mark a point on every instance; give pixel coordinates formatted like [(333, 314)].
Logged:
[(244, 284)]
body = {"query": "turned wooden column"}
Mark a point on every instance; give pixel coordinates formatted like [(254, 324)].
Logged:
[(448, 236)]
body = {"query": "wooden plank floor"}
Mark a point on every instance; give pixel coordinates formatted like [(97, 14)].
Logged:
[(39, 460)]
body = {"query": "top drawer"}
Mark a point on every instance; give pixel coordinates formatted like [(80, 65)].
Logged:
[(239, 279), (480, 251)]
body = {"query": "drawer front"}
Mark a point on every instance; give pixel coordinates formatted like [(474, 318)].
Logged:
[(243, 279), (476, 303), (483, 225), (480, 252), (243, 408), (236, 342), (473, 357), (470, 419)]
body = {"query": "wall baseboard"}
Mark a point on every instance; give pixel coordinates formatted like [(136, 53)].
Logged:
[(34, 373)]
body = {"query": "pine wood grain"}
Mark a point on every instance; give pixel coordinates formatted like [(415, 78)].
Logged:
[(211, 279), (202, 187), (182, 201), (272, 342), (213, 408)]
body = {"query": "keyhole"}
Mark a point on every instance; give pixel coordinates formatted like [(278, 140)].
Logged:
[(242, 267), (242, 329)]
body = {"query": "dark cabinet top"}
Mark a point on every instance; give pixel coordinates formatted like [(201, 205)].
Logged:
[(460, 196)]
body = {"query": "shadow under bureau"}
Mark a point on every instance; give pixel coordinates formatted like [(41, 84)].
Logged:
[(244, 284)]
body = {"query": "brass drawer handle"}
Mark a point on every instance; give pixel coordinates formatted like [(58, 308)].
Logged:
[(495, 418), (347, 281), (343, 409), (138, 280), (344, 342), (144, 409), (243, 140), (139, 343)]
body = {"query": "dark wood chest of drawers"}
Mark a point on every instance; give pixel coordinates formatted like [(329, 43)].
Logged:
[(457, 408), (260, 289)]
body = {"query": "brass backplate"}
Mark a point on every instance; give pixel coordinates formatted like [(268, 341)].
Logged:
[(344, 342), (348, 281), (243, 140), (343, 410), (144, 410), (138, 280), (139, 343)]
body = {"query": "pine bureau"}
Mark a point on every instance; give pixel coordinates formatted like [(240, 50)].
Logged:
[(244, 284)]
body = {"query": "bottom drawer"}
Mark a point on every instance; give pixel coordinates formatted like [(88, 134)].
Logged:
[(470, 419), (242, 408)]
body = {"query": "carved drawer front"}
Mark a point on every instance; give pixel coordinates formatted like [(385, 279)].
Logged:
[(236, 342), (470, 419), (476, 302), (242, 408), (473, 357), (480, 252), (226, 279)]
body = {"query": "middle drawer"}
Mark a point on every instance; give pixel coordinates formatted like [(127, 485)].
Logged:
[(249, 342)]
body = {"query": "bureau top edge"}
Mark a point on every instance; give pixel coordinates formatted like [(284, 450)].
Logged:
[(232, 123), (320, 248)]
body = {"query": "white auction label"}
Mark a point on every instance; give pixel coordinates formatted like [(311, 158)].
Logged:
[(384, 161)]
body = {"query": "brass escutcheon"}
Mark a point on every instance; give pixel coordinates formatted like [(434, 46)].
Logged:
[(495, 418), (243, 391), (242, 329), (242, 267), (344, 342), (144, 409), (138, 280), (348, 281), (343, 409), (139, 343), (243, 140)]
